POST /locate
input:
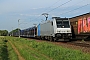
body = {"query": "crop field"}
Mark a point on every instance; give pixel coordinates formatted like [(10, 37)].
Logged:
[(14, 48), (6, 50)]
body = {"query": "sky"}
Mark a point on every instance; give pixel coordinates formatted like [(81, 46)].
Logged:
[(29, 12)]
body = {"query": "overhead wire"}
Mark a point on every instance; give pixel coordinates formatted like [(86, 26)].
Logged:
[(62, 5), (74, 5), (59, 6), (53, 4), (47, 9), (75, 9), (56, 7)]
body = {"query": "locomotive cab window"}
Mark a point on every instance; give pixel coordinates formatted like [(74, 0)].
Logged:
[(66, 24), (59, 24), (62, 23)]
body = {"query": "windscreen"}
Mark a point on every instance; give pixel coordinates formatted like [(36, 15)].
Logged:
[(62, 23)]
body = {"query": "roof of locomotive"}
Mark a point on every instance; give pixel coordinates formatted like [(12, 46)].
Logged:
[(58, 18)]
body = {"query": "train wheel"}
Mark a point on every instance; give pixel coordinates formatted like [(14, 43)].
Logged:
[(40, 37), (43, 38), (51, 38), (54, 39), (48, 38)]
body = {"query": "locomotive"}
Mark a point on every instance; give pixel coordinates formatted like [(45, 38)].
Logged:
[(55, 29)]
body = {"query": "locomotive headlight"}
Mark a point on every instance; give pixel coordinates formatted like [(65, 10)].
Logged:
[(68, 31), (58, 31), (69, 34)]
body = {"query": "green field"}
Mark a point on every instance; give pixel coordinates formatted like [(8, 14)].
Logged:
[(33, 50), (6, 50)]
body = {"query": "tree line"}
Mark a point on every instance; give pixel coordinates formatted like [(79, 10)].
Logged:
[(14, 31), (3, 32)]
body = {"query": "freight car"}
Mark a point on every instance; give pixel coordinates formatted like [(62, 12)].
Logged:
[(55, 29), (81, 26)]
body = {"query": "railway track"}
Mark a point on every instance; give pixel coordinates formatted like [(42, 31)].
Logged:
[(76, 43), (81, 43)]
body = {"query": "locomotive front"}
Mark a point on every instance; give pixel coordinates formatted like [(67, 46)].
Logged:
[(62, 29)]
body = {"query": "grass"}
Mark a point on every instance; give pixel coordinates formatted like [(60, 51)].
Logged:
[(3, 50), (28, 52), (6, 51), (32, 50), (11, 52)]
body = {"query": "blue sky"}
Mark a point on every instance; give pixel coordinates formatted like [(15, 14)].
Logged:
[(29, 11)]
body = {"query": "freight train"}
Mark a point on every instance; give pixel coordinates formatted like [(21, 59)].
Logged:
[(60, 28), (55, 29), (81, 26)]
